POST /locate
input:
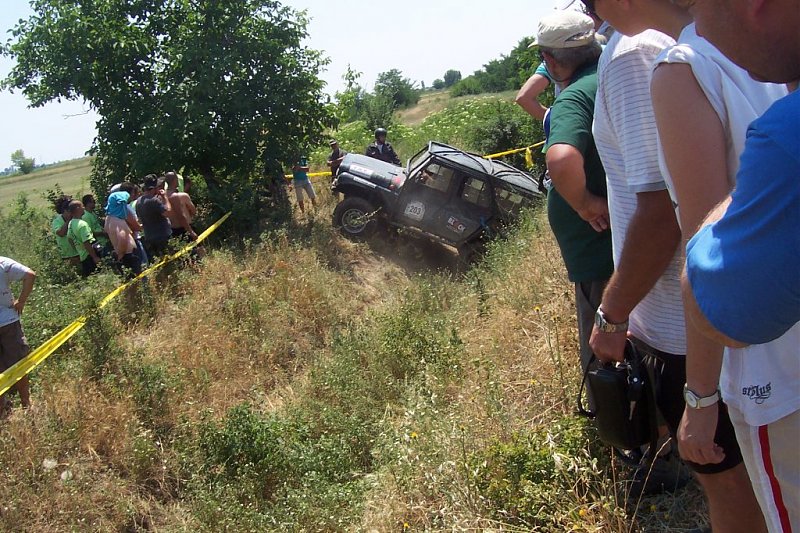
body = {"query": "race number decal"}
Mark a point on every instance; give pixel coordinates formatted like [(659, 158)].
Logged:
[(415, 211)]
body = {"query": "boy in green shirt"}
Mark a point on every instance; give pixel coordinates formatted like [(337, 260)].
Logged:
[(59, 227), (81, 236), (94, 222)]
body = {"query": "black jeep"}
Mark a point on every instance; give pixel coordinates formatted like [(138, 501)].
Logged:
[(444, 195)]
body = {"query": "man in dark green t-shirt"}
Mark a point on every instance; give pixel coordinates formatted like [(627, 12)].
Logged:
[(576, 205)]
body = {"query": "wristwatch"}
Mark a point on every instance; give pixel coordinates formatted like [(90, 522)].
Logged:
[(693, 401), (608, 327)]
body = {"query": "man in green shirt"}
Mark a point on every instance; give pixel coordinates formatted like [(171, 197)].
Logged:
[(81, 236), (94, 222), (576, 205), (59, 227)]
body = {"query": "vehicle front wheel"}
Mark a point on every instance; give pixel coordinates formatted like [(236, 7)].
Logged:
[(355, 216)]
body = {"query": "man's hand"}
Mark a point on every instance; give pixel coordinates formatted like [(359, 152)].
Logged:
[(696, 436), (608, 347), (594, 210), (19, 305)]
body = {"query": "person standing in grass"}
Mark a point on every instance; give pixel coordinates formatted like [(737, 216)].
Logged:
[(94, 222), (13, 345), (576, 205), (60, 226), (121, 226), (301, 183), (153, 209), (82, 239)]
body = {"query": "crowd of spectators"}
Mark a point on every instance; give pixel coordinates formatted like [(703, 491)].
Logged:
[(139, 224), (675, 202)]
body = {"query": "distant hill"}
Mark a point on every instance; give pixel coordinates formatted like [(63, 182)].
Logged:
[(72, 176)]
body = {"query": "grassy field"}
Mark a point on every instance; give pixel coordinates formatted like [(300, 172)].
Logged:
[(72, 176), (300, 381)]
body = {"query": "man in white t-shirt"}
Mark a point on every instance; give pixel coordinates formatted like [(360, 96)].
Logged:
[(13, 346), (643, 298)]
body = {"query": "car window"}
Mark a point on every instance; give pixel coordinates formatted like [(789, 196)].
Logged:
[(508, 200), (437, 177), (476, 192)]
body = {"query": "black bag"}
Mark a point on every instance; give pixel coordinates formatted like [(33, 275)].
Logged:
[(625, 405)]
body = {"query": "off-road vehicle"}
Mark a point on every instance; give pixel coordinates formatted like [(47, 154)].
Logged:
[(444, 194)]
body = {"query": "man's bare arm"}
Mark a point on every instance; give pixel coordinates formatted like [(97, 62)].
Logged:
[(527, 97), (565, 164), (27, 288)]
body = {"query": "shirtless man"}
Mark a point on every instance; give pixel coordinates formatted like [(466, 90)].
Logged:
[(183, 209)]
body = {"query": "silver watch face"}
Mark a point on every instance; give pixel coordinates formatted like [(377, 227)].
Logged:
[(691, 399)]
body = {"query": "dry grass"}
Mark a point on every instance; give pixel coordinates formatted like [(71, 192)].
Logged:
[(249, 327)]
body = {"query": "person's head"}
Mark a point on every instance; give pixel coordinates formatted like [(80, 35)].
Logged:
[(172, 179), (334, 144), (380, 135), (302, 161), (60, 203), (75, 209), (631, 17), (567, 43), (761, 36), (131, 189), (88, 202), (161, 183), (150, 185)]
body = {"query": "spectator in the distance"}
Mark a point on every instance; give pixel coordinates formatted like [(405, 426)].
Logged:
[(82, 239), (381, 149), (336, 157), (741, 286), (153, 209), (121, 225), (60, 226), (301, 183), (94, 222), (13, 345), (183, 209), (577, 207)]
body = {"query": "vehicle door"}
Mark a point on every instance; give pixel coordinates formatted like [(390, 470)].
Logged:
[(424, 195), (467, 211)]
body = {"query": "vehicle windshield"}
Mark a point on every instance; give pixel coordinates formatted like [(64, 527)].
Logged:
[(417, 160)]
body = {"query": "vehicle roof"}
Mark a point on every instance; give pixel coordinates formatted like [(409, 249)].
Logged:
[(477, 163)]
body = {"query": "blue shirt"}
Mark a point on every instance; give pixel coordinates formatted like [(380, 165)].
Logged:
[(300, 175), (745, 269), (117, 205)]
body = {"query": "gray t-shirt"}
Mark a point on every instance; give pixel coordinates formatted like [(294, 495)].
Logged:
[(10, 271), (156, 225)]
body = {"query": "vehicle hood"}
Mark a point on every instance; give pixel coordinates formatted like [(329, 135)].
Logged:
[(372, 170)]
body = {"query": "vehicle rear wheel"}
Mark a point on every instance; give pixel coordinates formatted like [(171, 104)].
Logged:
[(355, 216)]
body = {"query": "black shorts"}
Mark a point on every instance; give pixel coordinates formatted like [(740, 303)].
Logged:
[(669, 371), (88, 266), (13, 345)]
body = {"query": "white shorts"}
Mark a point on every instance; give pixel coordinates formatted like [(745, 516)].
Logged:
[(305, 185), (772, 456)]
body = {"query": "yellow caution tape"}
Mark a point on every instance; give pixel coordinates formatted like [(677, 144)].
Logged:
[(518, 150), (39, 355), (311, 175)]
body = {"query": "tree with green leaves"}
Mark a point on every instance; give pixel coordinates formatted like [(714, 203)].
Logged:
[(212, 87), (400, 90), (451, 77), (22, 163)]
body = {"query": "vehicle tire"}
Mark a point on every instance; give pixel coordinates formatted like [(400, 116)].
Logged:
[(355, 217)]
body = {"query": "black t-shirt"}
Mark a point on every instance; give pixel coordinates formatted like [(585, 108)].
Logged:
[(156, 225)]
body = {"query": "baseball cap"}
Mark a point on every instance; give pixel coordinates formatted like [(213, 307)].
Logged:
[(565, 29), (333, 142)]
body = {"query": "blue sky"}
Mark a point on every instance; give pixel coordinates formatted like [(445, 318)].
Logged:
[(422, 38)]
